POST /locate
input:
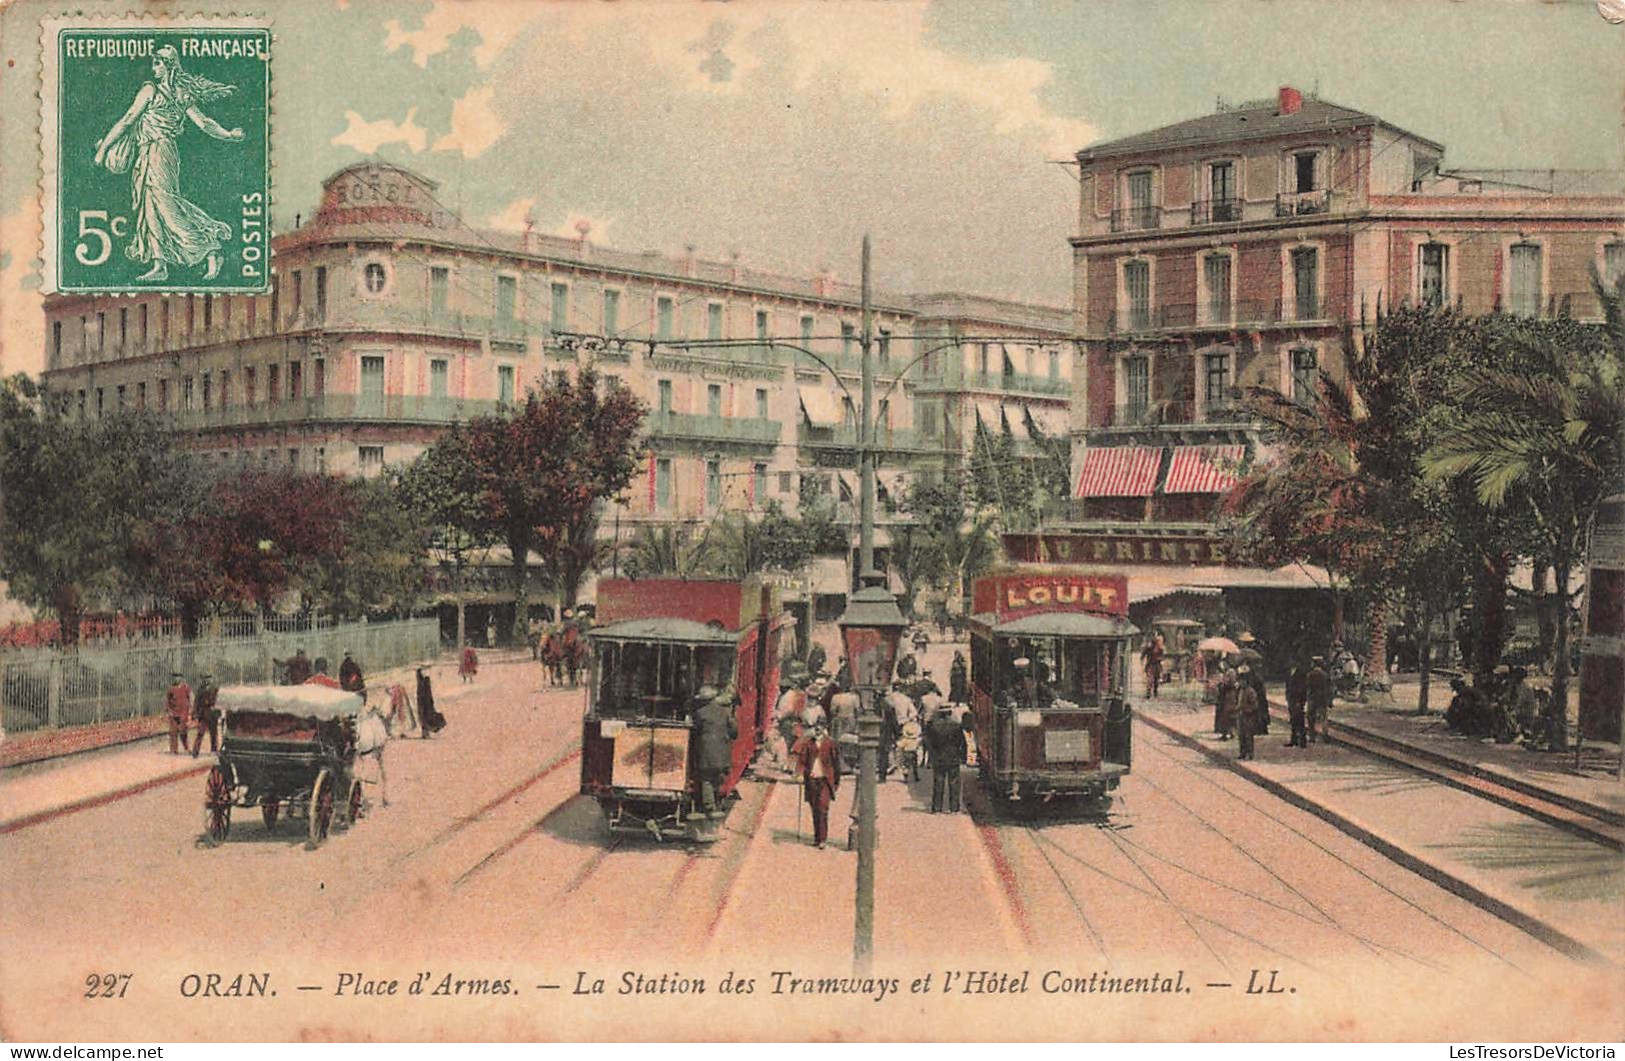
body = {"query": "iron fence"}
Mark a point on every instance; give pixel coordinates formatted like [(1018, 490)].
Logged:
[(102, 683)]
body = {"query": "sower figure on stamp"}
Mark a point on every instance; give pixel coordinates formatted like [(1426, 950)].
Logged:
[(167, 227), (819, 766), (178, 705), (208, 719)]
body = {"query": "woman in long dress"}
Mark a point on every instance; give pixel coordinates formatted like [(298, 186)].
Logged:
[(168, 227)]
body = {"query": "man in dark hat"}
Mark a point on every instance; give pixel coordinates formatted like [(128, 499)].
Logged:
[(817, 763), (946, 740), (207, 718), (1317, 686), (178, 706), (1297, 698), (298, 667), (1247, 709), (959, 679), (350, 679), (1224, 702), (715, 730)]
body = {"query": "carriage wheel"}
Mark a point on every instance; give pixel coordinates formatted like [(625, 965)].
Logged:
[(321, 807), (355, 810), (217, 805), (270, 808)]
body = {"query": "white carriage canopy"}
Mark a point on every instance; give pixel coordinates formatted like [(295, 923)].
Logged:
[(320, 702)]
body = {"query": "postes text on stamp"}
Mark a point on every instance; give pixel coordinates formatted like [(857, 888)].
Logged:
[(155, 139)]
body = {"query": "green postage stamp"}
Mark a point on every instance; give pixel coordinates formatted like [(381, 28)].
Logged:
[(155, 141)]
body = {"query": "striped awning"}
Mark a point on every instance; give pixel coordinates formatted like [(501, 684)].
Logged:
[(1119, 471), (1203, 469)]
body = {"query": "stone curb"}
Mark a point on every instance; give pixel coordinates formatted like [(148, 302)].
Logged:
[(1520, 919)]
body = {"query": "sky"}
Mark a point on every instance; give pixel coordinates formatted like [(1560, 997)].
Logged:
[(783, 131)]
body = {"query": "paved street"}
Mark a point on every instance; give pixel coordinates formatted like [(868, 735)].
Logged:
[(488, 864)]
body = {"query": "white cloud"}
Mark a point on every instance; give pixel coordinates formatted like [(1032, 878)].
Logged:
[(496, 22), (22, 308), (514, 216), (367, 137), (474, 125)]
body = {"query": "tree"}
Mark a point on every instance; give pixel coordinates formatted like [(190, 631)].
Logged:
[(963, 544), (1537, 427), (537, 472), (663, 551), (75, 496), (439, 487), (379, 567)]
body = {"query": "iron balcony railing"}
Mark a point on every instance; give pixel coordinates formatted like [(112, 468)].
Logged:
[(402, 408), (1297, 204), (707, 428), (1136, 218), (845, 436), (953, 379), (1215, 211), (1175, 413), (1217, 314)]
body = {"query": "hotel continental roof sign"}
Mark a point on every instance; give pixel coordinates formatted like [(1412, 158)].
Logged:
[(1110, 548)]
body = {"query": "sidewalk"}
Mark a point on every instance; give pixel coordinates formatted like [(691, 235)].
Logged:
[(90, 765), (1563, 889)]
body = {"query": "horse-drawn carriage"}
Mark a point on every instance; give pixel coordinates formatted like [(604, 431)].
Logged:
[(285, 749)]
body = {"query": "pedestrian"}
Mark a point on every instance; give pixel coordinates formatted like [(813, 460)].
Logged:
[(816, 658), (403, 716), (206, 715), (1151, 663), (908, 748), (1224, 703), (371, 734), (1318, 690), (1297, 696), (908, 666), (921, 640), (1247, 709), (350, 679), (491, 632), (895, 708), (843, 723), (946, 738), (178, 705), (1464, 712), (297, 667), (959, 679), (470, 665), (430, 720), (716, 727), (1523, 704), (818, 766), (1255, 678)]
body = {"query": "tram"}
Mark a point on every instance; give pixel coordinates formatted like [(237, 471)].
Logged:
[(657, 645), (1602, 639), (1049, 684)]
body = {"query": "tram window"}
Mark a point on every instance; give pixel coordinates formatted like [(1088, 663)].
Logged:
[(641, 680)]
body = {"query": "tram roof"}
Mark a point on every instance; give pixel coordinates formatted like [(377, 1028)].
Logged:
[(675, 631), (1059, 624)]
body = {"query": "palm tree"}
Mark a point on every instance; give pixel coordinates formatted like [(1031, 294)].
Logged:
[(663, 551), (736, 545), (1542, 430)]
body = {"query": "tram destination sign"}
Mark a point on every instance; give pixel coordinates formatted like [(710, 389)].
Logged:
[(1012, 594), (1112, 549)]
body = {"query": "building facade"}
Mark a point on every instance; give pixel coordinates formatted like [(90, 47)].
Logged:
[(390, 318)]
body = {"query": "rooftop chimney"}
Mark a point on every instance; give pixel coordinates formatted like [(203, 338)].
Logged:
[(1289, 101)]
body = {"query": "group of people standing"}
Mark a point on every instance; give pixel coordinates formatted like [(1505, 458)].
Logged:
[(186, 709), (1241, 706)]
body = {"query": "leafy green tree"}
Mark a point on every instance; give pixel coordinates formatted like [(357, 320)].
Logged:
[(960, 544), (438, 487), (663, 551)]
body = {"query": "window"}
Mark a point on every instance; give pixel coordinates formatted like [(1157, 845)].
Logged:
[(506, 294), (141, 396), (885, 347), (1137, 290), (321, 289), (371, 459), (1139, 193), (321, 460), (1305, 375), (99, 403), (225, 387), (663, 317), (1526, 279), (293, 459), (849, 412), (1221, 183), (847, 333), (250, 389), (1216, 282), (163, 320), (374, 277), (663, 482), (273, 384), (1434, 259), (981, 358), (761, 326), (81, 404), (758, 482), (121, 388), (252, 322), (1303, 171), (296, 380), (761, 403), (187, 397), (101, 333), (784, 482), (56, 341), (713, 485), (1009, 363), (1306, 282), (1137, 383), (191, 315), (713, 399), (372, 377), (1216, 390), (1613, 262), (1054, 364), (505, 384), (208, 394), (439, 286), (318, 378), (663, 397), (713, 320), (437, 378), (276, 302), (297, 288), (806, 330), (123, 328), (612, 313), (559, 309)]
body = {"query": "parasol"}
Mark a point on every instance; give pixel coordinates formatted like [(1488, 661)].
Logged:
[(1217, 644)]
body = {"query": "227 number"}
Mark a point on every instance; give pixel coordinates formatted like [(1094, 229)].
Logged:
[(107, 985), (89, 230)]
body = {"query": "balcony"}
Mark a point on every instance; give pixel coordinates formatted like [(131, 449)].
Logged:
[(346, 408), (1212, 314), (1298, 204), (1215, 212), (699, 427), (1182, 413), (1136, 219), (887, 440), (1019, 383)]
